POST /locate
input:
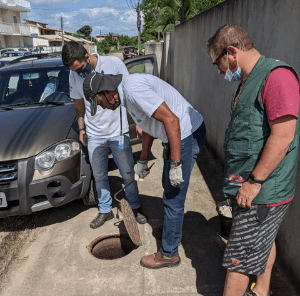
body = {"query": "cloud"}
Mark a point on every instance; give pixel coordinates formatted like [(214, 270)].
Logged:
[(112, 17)]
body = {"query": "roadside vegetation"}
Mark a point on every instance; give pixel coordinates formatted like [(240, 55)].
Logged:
[(159, 17)]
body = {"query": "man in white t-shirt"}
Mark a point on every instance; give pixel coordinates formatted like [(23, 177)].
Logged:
[(161, 112), (104, 132)]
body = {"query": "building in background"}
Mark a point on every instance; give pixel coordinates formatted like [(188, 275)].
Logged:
[(11, 28), (101, 37)]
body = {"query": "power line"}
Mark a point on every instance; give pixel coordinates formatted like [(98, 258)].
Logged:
[(129, 8)]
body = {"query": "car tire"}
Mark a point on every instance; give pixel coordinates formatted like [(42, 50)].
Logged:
[(91, 198)]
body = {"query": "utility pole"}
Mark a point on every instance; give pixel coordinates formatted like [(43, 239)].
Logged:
[(138, 10), (62, 31)]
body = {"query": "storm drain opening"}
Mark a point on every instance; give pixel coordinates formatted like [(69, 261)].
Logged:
[(111, 247)]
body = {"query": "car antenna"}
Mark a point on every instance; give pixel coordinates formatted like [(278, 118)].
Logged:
[(31, 63)]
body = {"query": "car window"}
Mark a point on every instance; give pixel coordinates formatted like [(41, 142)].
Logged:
[(32, 86), (13, 83), (146, 67), (142, 64)]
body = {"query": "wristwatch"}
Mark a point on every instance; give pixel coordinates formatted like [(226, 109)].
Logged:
[(251, 176), (175, 163)]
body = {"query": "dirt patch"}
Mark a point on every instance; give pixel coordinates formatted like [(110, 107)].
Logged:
[(15, 234)]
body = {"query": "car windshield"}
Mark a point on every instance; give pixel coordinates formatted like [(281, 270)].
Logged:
[(34, 86), (11, 54)]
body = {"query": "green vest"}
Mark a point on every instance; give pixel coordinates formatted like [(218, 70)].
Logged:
[(246, 136)]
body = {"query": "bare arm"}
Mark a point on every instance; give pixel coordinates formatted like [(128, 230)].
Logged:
[(282, 134), (139, 132), (172, 127), (80, 110), (146, 146)]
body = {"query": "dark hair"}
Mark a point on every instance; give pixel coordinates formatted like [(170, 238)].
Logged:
[(229, 35), (72, 51)]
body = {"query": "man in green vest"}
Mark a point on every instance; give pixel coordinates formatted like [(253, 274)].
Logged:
[(261, 145)]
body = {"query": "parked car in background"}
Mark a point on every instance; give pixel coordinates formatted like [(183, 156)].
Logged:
[(9, 56), (3, 50), (42, 162), (129, 52)]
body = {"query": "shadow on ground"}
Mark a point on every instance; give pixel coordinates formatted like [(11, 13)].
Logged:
[(212, 172)]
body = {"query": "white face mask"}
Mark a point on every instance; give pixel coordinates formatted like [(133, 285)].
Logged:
[(236, 76)]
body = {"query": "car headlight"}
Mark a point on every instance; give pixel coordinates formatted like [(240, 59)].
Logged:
[(56, 153)]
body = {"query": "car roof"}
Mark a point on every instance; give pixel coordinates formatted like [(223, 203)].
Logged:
[(9, 58), (34, 63), (14, 51)]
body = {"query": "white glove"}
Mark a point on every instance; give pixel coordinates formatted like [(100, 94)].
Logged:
[(141, 171), (175, 175)]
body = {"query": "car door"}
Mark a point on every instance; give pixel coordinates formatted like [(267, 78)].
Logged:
[(140, 64)]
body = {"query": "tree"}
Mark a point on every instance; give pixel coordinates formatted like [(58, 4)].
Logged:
[(85, 30), (109, 39), (162, 14)]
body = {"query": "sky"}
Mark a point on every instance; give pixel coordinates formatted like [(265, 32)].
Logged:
[(110, 16)]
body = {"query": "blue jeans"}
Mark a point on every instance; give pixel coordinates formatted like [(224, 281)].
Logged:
[(174, 197), (99, 149)]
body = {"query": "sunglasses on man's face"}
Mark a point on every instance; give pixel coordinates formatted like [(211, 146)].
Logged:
[(216, 61), (224, 51)]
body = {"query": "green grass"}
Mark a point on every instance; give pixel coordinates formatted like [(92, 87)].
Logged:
[(116, 50), (137, 69)]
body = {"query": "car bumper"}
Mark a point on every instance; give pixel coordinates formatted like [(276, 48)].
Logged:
[(32, 191)]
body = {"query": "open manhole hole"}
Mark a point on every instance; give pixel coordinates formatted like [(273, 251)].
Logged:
[(111, 247)]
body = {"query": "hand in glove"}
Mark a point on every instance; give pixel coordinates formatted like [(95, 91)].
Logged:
[(142, 170), (175, 175)]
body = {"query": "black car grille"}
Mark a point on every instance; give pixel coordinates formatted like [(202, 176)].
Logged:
[(8, 172)]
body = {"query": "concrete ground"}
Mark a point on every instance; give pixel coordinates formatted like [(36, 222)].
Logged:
[(56, 260)]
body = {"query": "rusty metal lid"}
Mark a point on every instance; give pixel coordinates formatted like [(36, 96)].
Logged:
[(130, 222)]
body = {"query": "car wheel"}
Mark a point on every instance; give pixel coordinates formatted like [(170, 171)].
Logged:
[(91, 197)]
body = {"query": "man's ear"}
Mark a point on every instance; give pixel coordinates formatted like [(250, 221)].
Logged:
[(87, 56), (231, 50)]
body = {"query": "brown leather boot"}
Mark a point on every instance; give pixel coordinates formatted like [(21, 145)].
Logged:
[(158, 260)]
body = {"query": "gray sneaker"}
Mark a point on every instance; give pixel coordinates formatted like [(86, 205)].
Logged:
[(252, 293)]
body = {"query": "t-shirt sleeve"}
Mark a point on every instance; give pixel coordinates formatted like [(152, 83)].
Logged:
[(280, 94), (123, 69), (144, 98), (74, 94)]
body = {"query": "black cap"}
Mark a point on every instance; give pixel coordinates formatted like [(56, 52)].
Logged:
[(95, 83)]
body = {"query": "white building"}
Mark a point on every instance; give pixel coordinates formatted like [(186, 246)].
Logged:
[(11, 28)]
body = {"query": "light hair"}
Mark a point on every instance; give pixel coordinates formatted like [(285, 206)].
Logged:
[(229, 35)]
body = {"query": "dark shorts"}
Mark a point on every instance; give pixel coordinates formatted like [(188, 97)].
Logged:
[(252, 235)]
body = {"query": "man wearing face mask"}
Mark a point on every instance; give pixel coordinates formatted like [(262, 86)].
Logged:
[(106, 131), (163, 113), (262, 145)]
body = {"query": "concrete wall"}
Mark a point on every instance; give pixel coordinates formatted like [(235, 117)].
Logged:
[(13, 41), (2, 41), (274, 27), (7, 16), (157, 48)]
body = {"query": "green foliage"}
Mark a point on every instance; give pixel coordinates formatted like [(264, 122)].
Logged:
[(103, 46), (162, 14), (85, 30), (128, 41), (110, 41)]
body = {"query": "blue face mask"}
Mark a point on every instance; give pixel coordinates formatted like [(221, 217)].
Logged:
[(86, 71), (236, 76)]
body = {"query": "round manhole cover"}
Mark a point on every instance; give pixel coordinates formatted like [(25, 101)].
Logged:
[(111, 247)]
